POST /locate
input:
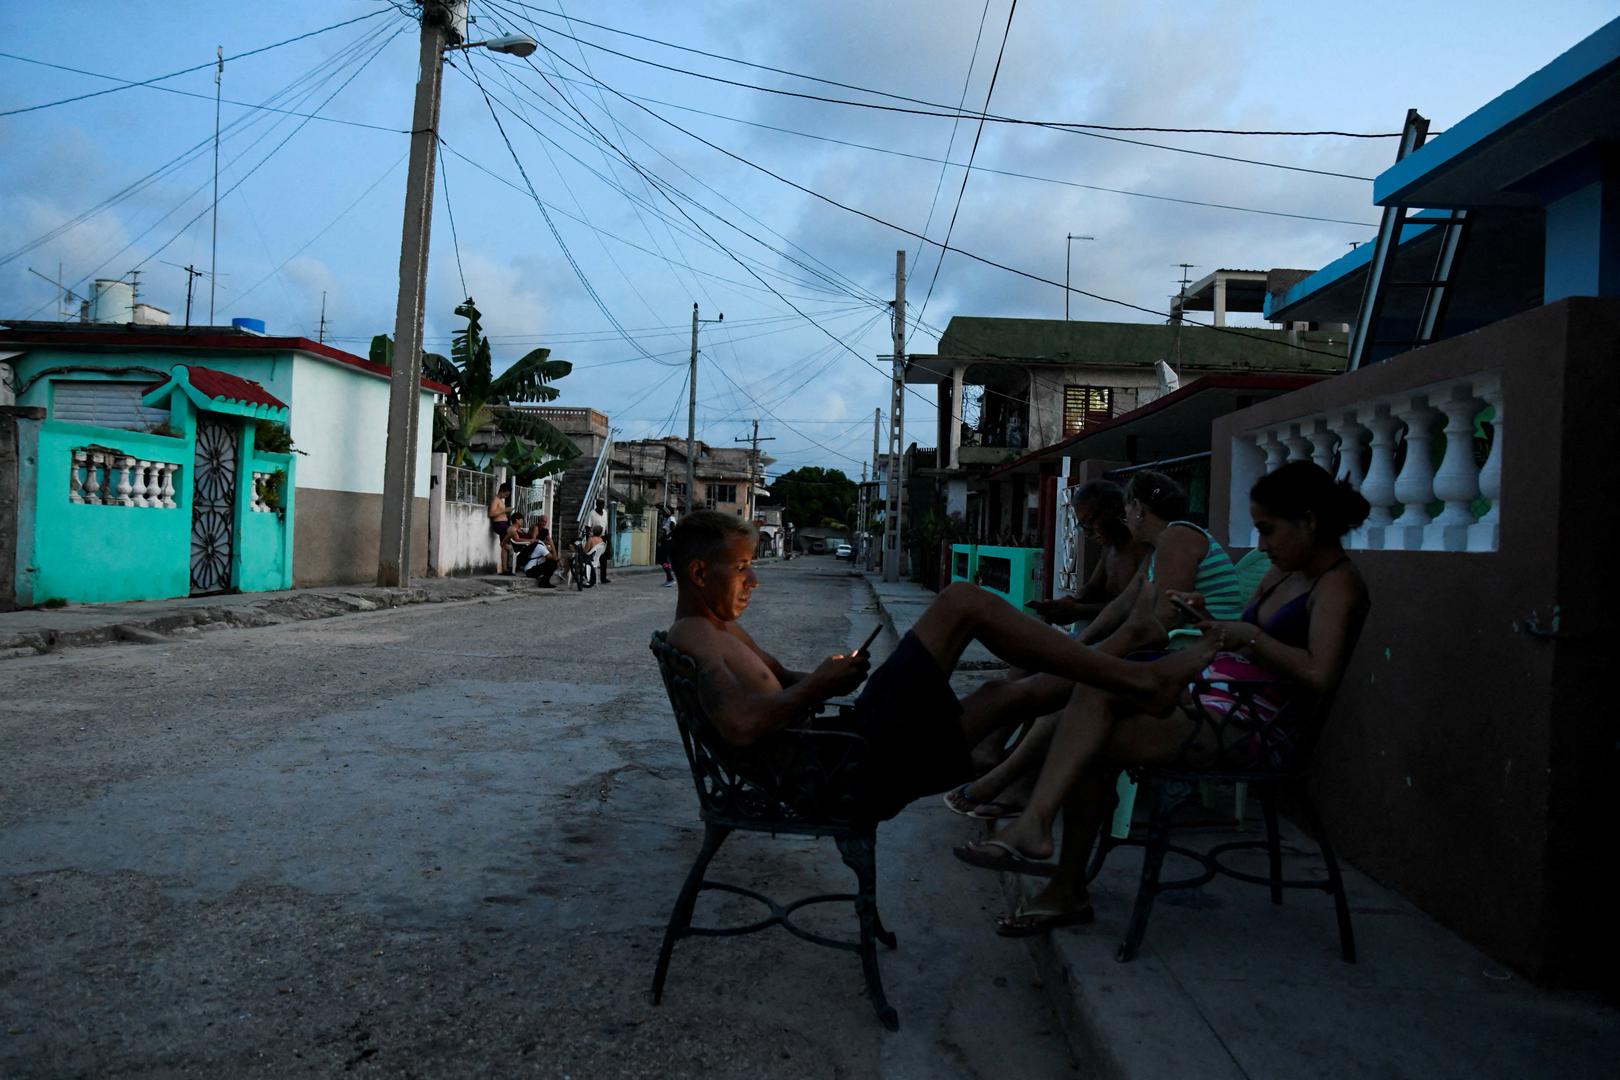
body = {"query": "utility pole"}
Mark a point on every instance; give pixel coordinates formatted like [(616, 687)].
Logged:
[(441, 20), (1068, 246), (894, 505), (192, 273), (877, 422), (753, 462), (213, 254), (691, 411)]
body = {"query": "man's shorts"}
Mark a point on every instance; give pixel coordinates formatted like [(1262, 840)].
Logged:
[(912, 722)]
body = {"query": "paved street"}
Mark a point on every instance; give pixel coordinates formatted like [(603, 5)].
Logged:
[(440, 841)]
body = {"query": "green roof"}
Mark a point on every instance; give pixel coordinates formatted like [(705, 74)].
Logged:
[(1057, 341)]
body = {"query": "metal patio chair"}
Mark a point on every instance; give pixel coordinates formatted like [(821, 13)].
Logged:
[(1284, 767), (802, 781)]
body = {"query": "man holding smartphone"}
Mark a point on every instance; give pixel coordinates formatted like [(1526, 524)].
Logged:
[(918, 731)]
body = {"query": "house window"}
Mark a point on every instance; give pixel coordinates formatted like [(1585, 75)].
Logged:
[(722, 493), (1084, 406), (105, 404)]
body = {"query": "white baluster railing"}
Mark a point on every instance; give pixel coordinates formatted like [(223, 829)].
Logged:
[(100, 478), (1359, 445)]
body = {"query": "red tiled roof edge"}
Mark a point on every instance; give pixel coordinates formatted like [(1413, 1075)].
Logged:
[(222, 385), (236, 342)]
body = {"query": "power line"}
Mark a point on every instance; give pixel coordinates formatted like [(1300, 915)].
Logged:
[(189, 70), (912, 233), (202, 97), (944, 111), (921, 101), (968, 171), (994, 171)]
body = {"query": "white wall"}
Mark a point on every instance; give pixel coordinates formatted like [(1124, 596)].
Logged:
[(468, 547), (340, 419)]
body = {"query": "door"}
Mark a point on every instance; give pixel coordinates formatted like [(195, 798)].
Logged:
[(213, 506)]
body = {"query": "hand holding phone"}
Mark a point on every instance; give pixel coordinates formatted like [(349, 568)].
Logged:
[(1193, 614), (867, 644)]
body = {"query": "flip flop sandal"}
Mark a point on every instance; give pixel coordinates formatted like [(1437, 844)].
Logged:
[(1027, 922), (958, 801), (996, 855)]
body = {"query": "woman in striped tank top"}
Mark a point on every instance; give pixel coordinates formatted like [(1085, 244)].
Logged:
[(1186, 558)]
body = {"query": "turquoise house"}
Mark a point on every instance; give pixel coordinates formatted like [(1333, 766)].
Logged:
[(193, 504), (284, 437)]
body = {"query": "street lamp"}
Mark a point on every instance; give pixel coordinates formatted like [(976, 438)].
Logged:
[(443, 22), (1068, 247)]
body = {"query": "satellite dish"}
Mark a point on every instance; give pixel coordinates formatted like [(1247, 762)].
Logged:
[(1169, 381)]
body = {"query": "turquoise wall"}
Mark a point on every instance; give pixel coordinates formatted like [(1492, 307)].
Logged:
[(90, 554)]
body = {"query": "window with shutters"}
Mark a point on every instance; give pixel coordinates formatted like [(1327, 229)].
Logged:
[(721, 493), (1084, 406), (104, 403)]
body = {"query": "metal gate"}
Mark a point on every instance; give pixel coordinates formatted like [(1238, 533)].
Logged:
[(213, 507)]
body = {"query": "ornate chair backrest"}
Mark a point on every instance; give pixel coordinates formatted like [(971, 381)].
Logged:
[(794, 778)]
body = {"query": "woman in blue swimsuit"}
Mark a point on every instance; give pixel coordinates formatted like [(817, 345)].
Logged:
[(1298, 630)]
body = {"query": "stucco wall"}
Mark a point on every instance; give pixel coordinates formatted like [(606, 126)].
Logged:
[(340, 421), (337, 536), (1467, 762), (468, 547)]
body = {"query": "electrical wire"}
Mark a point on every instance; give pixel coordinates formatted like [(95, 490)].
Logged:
[(945, 112), (449, 212), (921, 101), (968, 170), (235, 126), (203, 97), (189, 70), (994, 171), (912, 233)]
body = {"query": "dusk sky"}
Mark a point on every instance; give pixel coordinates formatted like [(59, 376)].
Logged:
[(122, 181)]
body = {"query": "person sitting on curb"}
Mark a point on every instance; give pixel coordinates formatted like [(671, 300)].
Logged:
[(918, 731), (540, 563), (519, 539)]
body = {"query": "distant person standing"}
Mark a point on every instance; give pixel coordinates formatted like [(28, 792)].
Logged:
[(596, 525), (666, 529), (499, 522)]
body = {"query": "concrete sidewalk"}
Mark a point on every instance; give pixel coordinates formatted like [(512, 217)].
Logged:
[(37, 630), (1227, 985)]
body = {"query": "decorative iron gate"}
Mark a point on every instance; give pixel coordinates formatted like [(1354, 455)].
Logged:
[(213, 507)]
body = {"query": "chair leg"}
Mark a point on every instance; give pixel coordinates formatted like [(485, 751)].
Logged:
[(1268, 805), (1341, 903), (860, 855), (680, 919), (1153, 853)]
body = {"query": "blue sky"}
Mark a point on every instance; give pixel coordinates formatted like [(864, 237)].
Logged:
[(614, 296)]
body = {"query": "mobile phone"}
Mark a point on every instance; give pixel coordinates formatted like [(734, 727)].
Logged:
[(867, 644), (1187, 609)]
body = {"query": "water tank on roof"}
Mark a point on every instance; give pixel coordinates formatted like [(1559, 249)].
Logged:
[(112, 301), (251, 326)]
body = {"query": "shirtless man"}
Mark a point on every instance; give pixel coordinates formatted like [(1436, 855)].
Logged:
[(918, 731), (1099, 510)]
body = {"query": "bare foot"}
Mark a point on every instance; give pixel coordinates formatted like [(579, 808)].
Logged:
[(1168, 678)]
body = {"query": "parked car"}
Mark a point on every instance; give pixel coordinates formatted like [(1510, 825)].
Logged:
[(844, 551)]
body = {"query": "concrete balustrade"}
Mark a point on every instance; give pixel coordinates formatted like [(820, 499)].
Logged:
[(1386, 449)]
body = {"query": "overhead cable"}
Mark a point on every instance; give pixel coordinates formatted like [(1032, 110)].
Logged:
[(197, 67)]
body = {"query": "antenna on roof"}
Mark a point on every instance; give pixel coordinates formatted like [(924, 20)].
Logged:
[(321, 335)]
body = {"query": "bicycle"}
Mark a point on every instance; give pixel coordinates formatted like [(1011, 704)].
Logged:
[(581, 571)]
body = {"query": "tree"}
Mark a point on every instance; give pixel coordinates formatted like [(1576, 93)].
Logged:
[(814, 497), (479, 399)]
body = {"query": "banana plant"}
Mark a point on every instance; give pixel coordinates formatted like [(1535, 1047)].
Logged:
[(480, 399)]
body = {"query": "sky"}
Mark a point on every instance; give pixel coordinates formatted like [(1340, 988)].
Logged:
[(661, 155)]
